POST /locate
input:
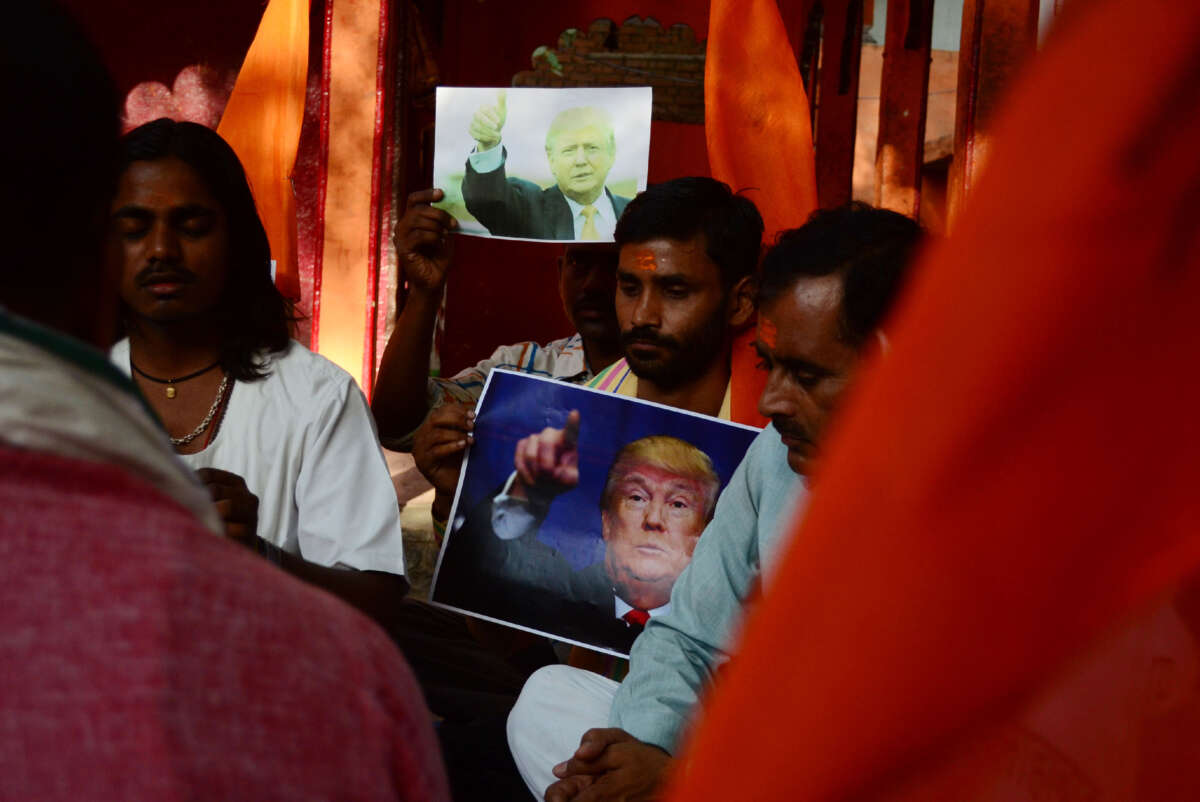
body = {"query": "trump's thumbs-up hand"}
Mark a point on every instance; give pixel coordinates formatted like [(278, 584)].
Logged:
[(487, 122)]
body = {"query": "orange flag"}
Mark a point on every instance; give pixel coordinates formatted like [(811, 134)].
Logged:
[(1013, 481), (756, 122), (262, 123)]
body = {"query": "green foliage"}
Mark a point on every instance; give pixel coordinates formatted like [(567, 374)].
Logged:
[(543, 53)]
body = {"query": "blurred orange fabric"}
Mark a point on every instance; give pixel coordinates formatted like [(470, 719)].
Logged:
[(1010, 503), (756, 123), (262, 122)]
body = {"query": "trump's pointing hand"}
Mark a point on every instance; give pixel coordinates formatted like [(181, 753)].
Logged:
[(487, 122), (547, 463)]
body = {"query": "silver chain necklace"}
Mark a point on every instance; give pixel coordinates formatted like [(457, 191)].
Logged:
[(199, 430)]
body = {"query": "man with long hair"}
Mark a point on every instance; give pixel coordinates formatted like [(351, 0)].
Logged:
[(281, 436)]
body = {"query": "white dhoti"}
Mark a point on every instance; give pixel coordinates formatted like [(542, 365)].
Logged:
[(558, 704)]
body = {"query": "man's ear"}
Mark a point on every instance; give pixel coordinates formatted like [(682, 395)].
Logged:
[(605, 525), (741, 302)]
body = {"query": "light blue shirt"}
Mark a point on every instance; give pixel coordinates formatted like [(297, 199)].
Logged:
[(678, 653)]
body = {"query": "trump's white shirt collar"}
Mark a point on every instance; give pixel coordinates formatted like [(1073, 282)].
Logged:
[(622, 608)]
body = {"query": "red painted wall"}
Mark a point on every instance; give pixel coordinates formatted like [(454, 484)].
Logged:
[(150, 40)]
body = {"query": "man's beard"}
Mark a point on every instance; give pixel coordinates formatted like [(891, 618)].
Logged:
[(684, 359)]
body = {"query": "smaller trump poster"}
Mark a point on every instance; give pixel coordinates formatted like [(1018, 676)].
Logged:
[(541, 164), (577, 509)]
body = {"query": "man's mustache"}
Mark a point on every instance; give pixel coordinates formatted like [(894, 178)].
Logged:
[(790, 431), (648, 336), (157, 272)]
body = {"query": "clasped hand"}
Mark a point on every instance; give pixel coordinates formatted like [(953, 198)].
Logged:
[(236, 505), (610, 765)]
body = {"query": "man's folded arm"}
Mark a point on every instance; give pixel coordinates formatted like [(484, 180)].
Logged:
[(348, 519)]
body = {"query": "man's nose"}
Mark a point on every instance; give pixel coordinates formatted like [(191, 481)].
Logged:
[(580, 156), (652, 521), (164, 244), (775, 401), (647, 311)]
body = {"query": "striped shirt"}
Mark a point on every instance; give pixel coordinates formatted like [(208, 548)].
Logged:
[(563, 360), (619, 378)]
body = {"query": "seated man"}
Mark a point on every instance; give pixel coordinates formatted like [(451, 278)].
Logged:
[(688, 248), (581, 148), (586, 283), (824, 291), (688, 251), (281, 435), (659, 494), (145, 657)]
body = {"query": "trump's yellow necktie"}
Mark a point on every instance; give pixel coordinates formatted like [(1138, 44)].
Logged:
[(589, 231)]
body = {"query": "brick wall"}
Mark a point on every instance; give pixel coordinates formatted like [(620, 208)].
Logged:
[(638, 52)]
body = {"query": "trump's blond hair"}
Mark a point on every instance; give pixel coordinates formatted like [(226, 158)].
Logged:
[(581, 117), (669, 454)]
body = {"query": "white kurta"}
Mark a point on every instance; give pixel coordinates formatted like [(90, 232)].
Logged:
[(305, 443)]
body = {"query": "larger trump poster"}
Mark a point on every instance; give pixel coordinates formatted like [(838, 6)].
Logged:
[(541, 164), (576, 509)]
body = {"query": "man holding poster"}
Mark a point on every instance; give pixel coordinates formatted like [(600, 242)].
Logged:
[(580, 147)]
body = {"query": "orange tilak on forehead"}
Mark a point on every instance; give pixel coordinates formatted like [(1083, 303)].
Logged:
[(768, 332), (644, 260)]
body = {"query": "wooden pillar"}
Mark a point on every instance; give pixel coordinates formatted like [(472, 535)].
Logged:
[(357, 83), (388, 150), (997, 37), (904, 98), (837, 100)]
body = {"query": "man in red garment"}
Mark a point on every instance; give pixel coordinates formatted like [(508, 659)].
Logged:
[(1016, 614), (145, 656)]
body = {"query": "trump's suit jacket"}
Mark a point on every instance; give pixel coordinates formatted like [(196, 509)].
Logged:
[(526, 582), (513, 207)]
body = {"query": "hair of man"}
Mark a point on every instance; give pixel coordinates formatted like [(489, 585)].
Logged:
[(682, 208), (869, 249), (252, 315), (581, 117), (59, 172), (670, 454)]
